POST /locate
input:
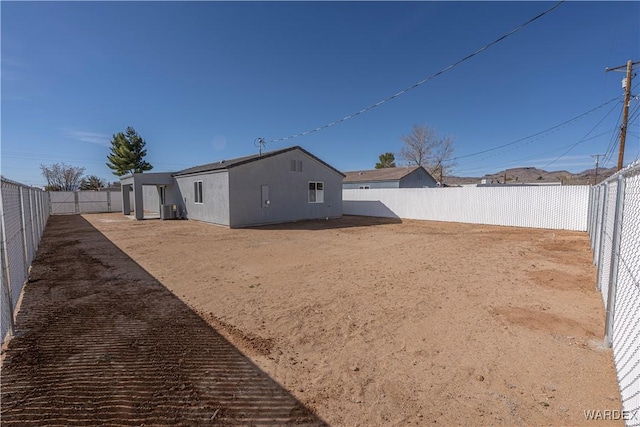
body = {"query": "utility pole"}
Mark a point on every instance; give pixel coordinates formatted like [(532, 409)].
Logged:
[(626, 84), (597, 157)]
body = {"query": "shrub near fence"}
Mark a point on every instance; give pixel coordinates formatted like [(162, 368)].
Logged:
[(24, 213), (614, 229)]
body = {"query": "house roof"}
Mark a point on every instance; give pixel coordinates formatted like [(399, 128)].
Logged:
[(384, 174), (228, 164)]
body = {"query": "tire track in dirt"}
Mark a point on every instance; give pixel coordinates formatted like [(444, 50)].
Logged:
[(100, 342)]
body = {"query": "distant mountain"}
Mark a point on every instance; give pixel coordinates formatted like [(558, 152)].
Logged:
[(535, 175)]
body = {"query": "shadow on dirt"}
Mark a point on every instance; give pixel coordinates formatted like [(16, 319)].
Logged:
[(101, 341), (346, 221)]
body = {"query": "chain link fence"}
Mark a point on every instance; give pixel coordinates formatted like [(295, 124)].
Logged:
[(24, 213), (614, 230)]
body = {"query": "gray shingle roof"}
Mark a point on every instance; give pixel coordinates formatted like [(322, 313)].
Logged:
[(384, 174), (228, 164)]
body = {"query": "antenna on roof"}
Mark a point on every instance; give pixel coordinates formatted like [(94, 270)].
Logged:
[(260, 143)]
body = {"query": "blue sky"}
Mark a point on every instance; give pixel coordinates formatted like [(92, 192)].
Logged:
[(200, 81)]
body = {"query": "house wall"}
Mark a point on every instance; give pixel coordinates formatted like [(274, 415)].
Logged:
[(288, 191), (215, 197), (133, 191), (418, 179)]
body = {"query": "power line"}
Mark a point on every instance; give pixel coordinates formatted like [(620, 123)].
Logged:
[(612, 142), (531, 157), (403, 91), (583, 139), (538, 133)]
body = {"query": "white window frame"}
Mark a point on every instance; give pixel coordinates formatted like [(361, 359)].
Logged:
[(198, 193), (315, 194)]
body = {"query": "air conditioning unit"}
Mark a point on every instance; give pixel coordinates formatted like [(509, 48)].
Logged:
[(167, 212)]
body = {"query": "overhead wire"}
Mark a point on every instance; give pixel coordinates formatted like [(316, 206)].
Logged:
[(536, 156), (634, 114), (532, 157), (612, 142), (632, 117), (580, 141), (553, 128), (421, 82)]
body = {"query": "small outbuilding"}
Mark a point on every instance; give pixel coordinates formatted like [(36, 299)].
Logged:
[(274, 187), (399, 177)]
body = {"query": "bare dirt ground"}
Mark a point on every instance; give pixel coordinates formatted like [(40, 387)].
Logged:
[(367, 322), (101, 342)]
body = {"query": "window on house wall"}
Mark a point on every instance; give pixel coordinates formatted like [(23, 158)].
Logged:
[(364, 187), (316, 192), (197, 191), (296, 165)]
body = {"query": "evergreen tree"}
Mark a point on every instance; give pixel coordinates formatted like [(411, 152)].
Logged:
[(127, 153), (91, 182), (387, 160)]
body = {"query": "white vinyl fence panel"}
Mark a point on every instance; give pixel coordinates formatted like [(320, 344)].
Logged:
[(68, 202), (553, 207), (62, 202), (24, 212)]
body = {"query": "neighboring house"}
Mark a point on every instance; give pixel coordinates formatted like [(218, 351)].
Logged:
[(399, 177), (279, 186)]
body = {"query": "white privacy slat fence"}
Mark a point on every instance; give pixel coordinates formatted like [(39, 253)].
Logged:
[(614, 230), (553, 207), (69, 202), (24, 212)]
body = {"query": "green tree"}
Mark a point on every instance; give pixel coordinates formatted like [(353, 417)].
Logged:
[(61, 177), (387, 160), (127, 153), (91, 182)]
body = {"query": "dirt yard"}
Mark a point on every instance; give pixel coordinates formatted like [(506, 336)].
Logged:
[(366, 322)]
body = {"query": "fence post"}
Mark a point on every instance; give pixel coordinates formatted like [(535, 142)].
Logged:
[(601, 233), (23, 230), (75, 201), (613, 270), (591, 208), (33, 213), (109, 201), (598, 225), (594, 215)]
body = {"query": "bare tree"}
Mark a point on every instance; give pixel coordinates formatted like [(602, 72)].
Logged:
[(443, 162), (423, 147), (418, 145), (62, 177)]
